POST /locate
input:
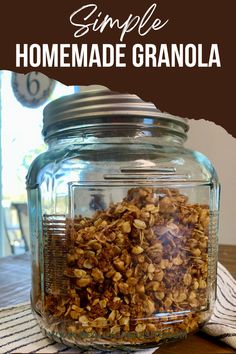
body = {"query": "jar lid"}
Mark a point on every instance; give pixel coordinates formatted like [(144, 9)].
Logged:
[(98, 101)]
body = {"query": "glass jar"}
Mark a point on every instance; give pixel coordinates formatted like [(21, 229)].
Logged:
[(123, 225)]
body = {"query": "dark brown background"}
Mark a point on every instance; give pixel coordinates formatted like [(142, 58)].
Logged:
[(207, 93)]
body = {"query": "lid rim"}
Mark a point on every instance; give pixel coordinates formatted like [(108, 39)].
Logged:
[(95, 103)]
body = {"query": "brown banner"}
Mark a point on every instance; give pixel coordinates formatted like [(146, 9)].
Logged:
[(184, 60)]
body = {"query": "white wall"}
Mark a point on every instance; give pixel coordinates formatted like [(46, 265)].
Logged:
[(220, 147)]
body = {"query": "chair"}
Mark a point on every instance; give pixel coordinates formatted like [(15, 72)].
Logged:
[(16, 226), (22, 212)]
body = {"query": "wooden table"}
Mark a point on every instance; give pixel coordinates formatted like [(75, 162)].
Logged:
[(15, 280), (15, 287)]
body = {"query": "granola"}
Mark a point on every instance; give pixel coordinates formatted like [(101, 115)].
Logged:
[(137, 271)]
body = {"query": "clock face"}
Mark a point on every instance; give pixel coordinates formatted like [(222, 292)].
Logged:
[(32, 89)]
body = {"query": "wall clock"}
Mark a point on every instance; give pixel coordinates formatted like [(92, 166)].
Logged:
[(32, 89)]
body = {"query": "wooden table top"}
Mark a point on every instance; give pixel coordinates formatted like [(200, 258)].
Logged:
[(15, 288)]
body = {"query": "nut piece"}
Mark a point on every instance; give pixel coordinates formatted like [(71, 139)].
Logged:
[(124, 321), (119, 264), (151, 268), (153, 285), (150, 207), (140, 288), (196, 252), (149, 307), (126, 228), (137, 250), (97, 275), (79, 273), (99, 322), (140, 328), (187, 279), (177, 261), (84, 320), (83, 281), (202, 284), (139, 224), (115, 330), (124, 288), (117, 276), (160, 295), (87, 264)]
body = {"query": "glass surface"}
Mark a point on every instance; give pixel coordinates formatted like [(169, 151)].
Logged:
[(124, 236)]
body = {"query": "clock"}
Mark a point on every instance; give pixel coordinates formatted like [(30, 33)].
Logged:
[(32, 89)]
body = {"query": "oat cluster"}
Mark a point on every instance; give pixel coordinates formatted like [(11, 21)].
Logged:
[(139, 267)]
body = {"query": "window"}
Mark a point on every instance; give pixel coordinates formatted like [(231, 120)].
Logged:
[(21, 143)]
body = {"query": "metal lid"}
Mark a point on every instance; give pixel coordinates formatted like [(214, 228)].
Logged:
[(98, 101)]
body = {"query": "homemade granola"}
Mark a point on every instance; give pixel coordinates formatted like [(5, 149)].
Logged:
[(136, 272)]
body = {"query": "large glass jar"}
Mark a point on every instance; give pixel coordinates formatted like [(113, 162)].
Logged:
[(123, 225)]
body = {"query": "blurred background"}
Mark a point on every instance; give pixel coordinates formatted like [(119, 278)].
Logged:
[(21, 142)]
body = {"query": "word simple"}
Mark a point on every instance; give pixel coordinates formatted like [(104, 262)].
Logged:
[(99, 22)]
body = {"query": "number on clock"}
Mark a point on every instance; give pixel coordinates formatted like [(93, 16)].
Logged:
[(32, 89)]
